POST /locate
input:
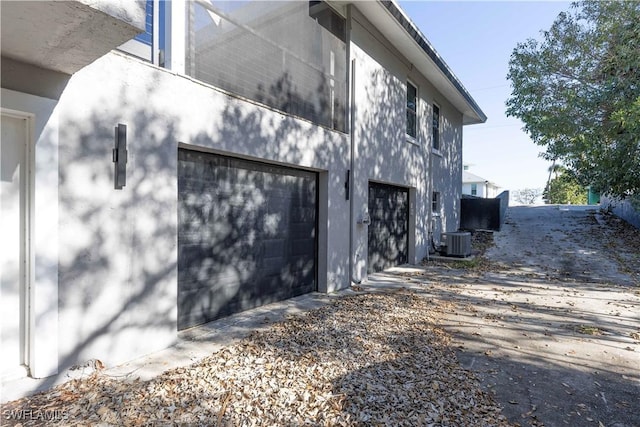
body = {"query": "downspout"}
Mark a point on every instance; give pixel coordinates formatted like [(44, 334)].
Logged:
[(430, 201), (352, 174), (351, 171)]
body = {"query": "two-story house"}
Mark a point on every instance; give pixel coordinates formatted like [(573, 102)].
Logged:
[(474, 185), (167, 163)]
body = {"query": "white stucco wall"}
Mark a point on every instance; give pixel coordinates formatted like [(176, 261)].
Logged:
[(382, 153), (492, 191), (466, 188), (118, 251), (447, 168), (116, 278), (382, 150)]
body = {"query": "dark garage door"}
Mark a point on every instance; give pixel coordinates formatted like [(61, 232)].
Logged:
[(389, 228), (246, 235)]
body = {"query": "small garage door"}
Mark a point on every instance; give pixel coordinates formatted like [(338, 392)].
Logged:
[(389, 228), (246, 235)]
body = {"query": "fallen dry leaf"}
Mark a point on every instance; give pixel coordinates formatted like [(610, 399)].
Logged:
[(364, 359)]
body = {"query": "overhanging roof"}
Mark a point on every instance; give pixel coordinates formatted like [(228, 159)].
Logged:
[(398, 28), (469, 178), (65, 36)]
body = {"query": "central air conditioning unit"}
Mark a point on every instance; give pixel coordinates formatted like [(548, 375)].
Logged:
[(458, 244)]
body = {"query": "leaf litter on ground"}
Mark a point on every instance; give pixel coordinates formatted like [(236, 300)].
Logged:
[(364, 359)]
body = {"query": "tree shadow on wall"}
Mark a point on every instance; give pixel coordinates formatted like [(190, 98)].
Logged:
[(265, 248), (118, 273), (117, 268), (385, 155), (323, 107)]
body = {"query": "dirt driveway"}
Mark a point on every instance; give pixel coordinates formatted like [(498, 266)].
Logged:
[(550, 323)]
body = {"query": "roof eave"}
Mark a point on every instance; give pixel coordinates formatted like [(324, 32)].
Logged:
[(396, 26)]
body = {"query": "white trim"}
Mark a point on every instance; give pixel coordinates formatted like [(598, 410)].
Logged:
[(26, 268), (175, 36), (42, 344), (412, 141), (155, 34)]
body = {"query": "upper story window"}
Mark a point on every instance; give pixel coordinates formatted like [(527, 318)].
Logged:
[(149, 45), (435, 202), (146, 38), (436, 127), (328, 18), (412, 111), (290, 56), (142, 44)]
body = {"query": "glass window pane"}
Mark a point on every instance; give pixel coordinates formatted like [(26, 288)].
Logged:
[(147, 36), (290, 56), (436, 127), (411, 124), (412, 101)]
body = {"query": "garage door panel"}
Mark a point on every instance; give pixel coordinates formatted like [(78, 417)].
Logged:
[(272, 266), (203, 302), (246, 235), (301, 231), (208, 275), (273, 247), (388, 231), (221, 298), (302, 214), (303, 247)]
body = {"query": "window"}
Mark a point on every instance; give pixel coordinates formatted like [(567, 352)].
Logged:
[(149, 44), (435, 202), (146, 38), (290, 56), (474, 189), (329, 19), (412, 108), (436, 127)]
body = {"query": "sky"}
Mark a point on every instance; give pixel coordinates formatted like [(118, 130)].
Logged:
[(476, 38)]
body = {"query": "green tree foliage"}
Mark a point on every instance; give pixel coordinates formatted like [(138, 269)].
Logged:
[(564, 188), (578, 93)]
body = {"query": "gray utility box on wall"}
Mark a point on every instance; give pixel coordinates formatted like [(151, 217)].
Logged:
[(458, 244)]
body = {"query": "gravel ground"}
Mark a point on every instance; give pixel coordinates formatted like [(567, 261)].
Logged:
[(364, 359), (549, 318)]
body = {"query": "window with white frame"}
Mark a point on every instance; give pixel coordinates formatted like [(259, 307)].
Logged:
[(412, 111), (436, 127), (474, 189)]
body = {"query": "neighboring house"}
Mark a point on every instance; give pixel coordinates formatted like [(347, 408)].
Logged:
[(233, 154), (474, 185)]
